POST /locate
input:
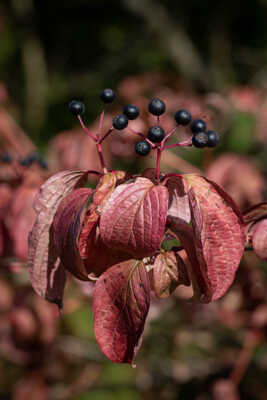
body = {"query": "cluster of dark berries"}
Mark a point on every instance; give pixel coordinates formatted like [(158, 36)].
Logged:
[(156, 133), (201, 137), (32, 158)]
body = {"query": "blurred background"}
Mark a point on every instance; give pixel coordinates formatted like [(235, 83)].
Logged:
[(207, 57)]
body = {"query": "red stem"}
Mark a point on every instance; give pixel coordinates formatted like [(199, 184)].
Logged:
[(186, 143), (101, 118), (169, 134), (106, 134), (85, 129), (159, 151), (143, 137), (101, 158)]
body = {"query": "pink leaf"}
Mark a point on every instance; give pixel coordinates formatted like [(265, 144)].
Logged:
[(133, 218), (120, 306), (47, 274), (169, 271), (96, 255), (215, 242), (57, 187), (67, 226), (259, 239), (106, 185), (178, 199)]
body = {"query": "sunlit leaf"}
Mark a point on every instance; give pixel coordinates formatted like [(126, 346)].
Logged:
[(120, 306)]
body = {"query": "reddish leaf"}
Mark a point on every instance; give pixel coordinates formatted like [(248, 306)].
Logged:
[(120, 306), (199, 280), (215, 242), (259, 239), (57, 187), (255, 213), (67, 226), (47, 275), (218, 232), (96, 255), (178, 199), (133, 218), (106, 186), (169, 271)]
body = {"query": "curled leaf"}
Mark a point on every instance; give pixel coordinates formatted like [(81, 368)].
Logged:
[(57, 187), (67, 226), (215, 242), (47, 274), (120, 305), (106, 185), (259, 239), (96, 255), (133, 218), (255, 213), (178, 199), (169, 271)]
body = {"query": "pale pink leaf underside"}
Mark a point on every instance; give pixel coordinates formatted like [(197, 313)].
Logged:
[(259, 239), (57, 187), (120, 305), (47, 275), (178, 199)]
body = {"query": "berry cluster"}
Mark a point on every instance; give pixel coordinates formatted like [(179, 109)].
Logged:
[(27, 161), (156, 136), (202, 137)]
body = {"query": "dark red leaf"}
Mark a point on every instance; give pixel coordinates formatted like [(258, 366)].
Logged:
[(215, 242), (169, 271), (95, 254), (120, 306), (47, 274), (133, 218), (255, 213), (67, 226)]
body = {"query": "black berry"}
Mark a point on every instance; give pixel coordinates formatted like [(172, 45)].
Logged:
[(131, 111), (198, 125), (213, 138), (200, 140), (156, 134), (182, 117), (156, 107), (76, 107), (107, 95), (6, 158), (142, 148), (120, 122)]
